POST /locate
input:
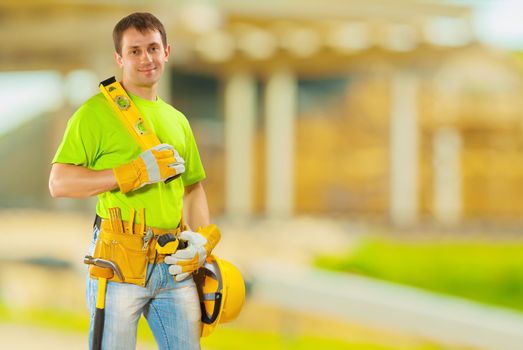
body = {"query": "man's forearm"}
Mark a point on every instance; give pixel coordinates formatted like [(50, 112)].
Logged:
[(75, 181), (195, 208)]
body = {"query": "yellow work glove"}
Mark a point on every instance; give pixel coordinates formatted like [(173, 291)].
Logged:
[(153, 165), (200, 245)]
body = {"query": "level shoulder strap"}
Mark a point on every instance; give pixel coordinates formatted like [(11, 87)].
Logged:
[(129, 113)]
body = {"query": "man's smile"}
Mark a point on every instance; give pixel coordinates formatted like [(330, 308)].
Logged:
[(146, 69)]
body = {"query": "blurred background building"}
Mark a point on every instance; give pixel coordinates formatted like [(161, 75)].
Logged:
[(351, 108), (388, 112)]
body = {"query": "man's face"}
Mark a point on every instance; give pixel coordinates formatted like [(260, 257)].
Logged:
[(143, 57)]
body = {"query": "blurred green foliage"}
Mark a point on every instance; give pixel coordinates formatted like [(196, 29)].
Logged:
[(488, 272)]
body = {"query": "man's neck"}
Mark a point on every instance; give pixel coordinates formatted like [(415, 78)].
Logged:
[(145, 92)]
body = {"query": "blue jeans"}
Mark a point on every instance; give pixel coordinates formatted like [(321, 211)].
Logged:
[(172, 310)]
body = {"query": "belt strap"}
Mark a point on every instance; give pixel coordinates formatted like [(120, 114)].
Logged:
[(137, 229), (97, 222), (129, 114)]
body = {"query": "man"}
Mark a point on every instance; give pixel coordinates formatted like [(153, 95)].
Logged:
[(98, 156)]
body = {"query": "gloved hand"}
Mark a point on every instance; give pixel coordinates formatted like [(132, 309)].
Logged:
[(153, 165), (200, 245)]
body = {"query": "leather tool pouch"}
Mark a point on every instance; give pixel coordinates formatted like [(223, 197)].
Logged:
[(129, 247), (127, 252)]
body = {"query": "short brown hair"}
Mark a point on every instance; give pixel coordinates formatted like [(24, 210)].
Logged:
[(141, 21)]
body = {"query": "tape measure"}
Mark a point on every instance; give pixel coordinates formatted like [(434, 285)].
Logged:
[(168, 244)]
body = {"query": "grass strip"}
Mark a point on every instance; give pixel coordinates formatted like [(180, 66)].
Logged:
[(486, 272)]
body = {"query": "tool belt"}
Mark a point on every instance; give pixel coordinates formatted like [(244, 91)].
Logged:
[(130, 246)]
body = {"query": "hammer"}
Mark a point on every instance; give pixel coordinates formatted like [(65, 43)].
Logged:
[(104, 270)]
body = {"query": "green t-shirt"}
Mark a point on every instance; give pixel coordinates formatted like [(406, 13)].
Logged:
[(97, 139)]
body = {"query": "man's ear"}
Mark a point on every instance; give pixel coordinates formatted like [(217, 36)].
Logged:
[(167, 53), (118, 59)]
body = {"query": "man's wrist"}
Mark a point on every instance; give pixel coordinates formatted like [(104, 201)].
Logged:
[(213, 236), (125, 177)]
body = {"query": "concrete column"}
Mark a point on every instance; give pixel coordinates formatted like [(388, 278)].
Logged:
[(447, 200), (404, 150), (280, 110), (240, 122)]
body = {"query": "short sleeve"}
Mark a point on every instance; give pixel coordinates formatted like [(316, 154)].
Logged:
[(194, 171), (79, 144)]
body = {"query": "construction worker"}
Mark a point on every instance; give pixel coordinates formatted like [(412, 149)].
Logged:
[(98, 156)]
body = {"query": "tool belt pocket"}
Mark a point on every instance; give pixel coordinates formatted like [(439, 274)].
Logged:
[(126, 252)]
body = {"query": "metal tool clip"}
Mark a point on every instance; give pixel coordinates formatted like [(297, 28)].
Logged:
[(148, 236)]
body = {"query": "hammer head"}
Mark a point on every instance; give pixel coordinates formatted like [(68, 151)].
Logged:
[(89, 260)]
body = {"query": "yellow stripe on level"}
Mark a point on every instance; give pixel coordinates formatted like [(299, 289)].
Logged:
[(130, 115)]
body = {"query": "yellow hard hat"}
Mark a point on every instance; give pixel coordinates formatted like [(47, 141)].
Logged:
[(222, 292)]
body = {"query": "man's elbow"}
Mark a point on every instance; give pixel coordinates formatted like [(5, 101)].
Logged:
[(56, 184), (54, 187)]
